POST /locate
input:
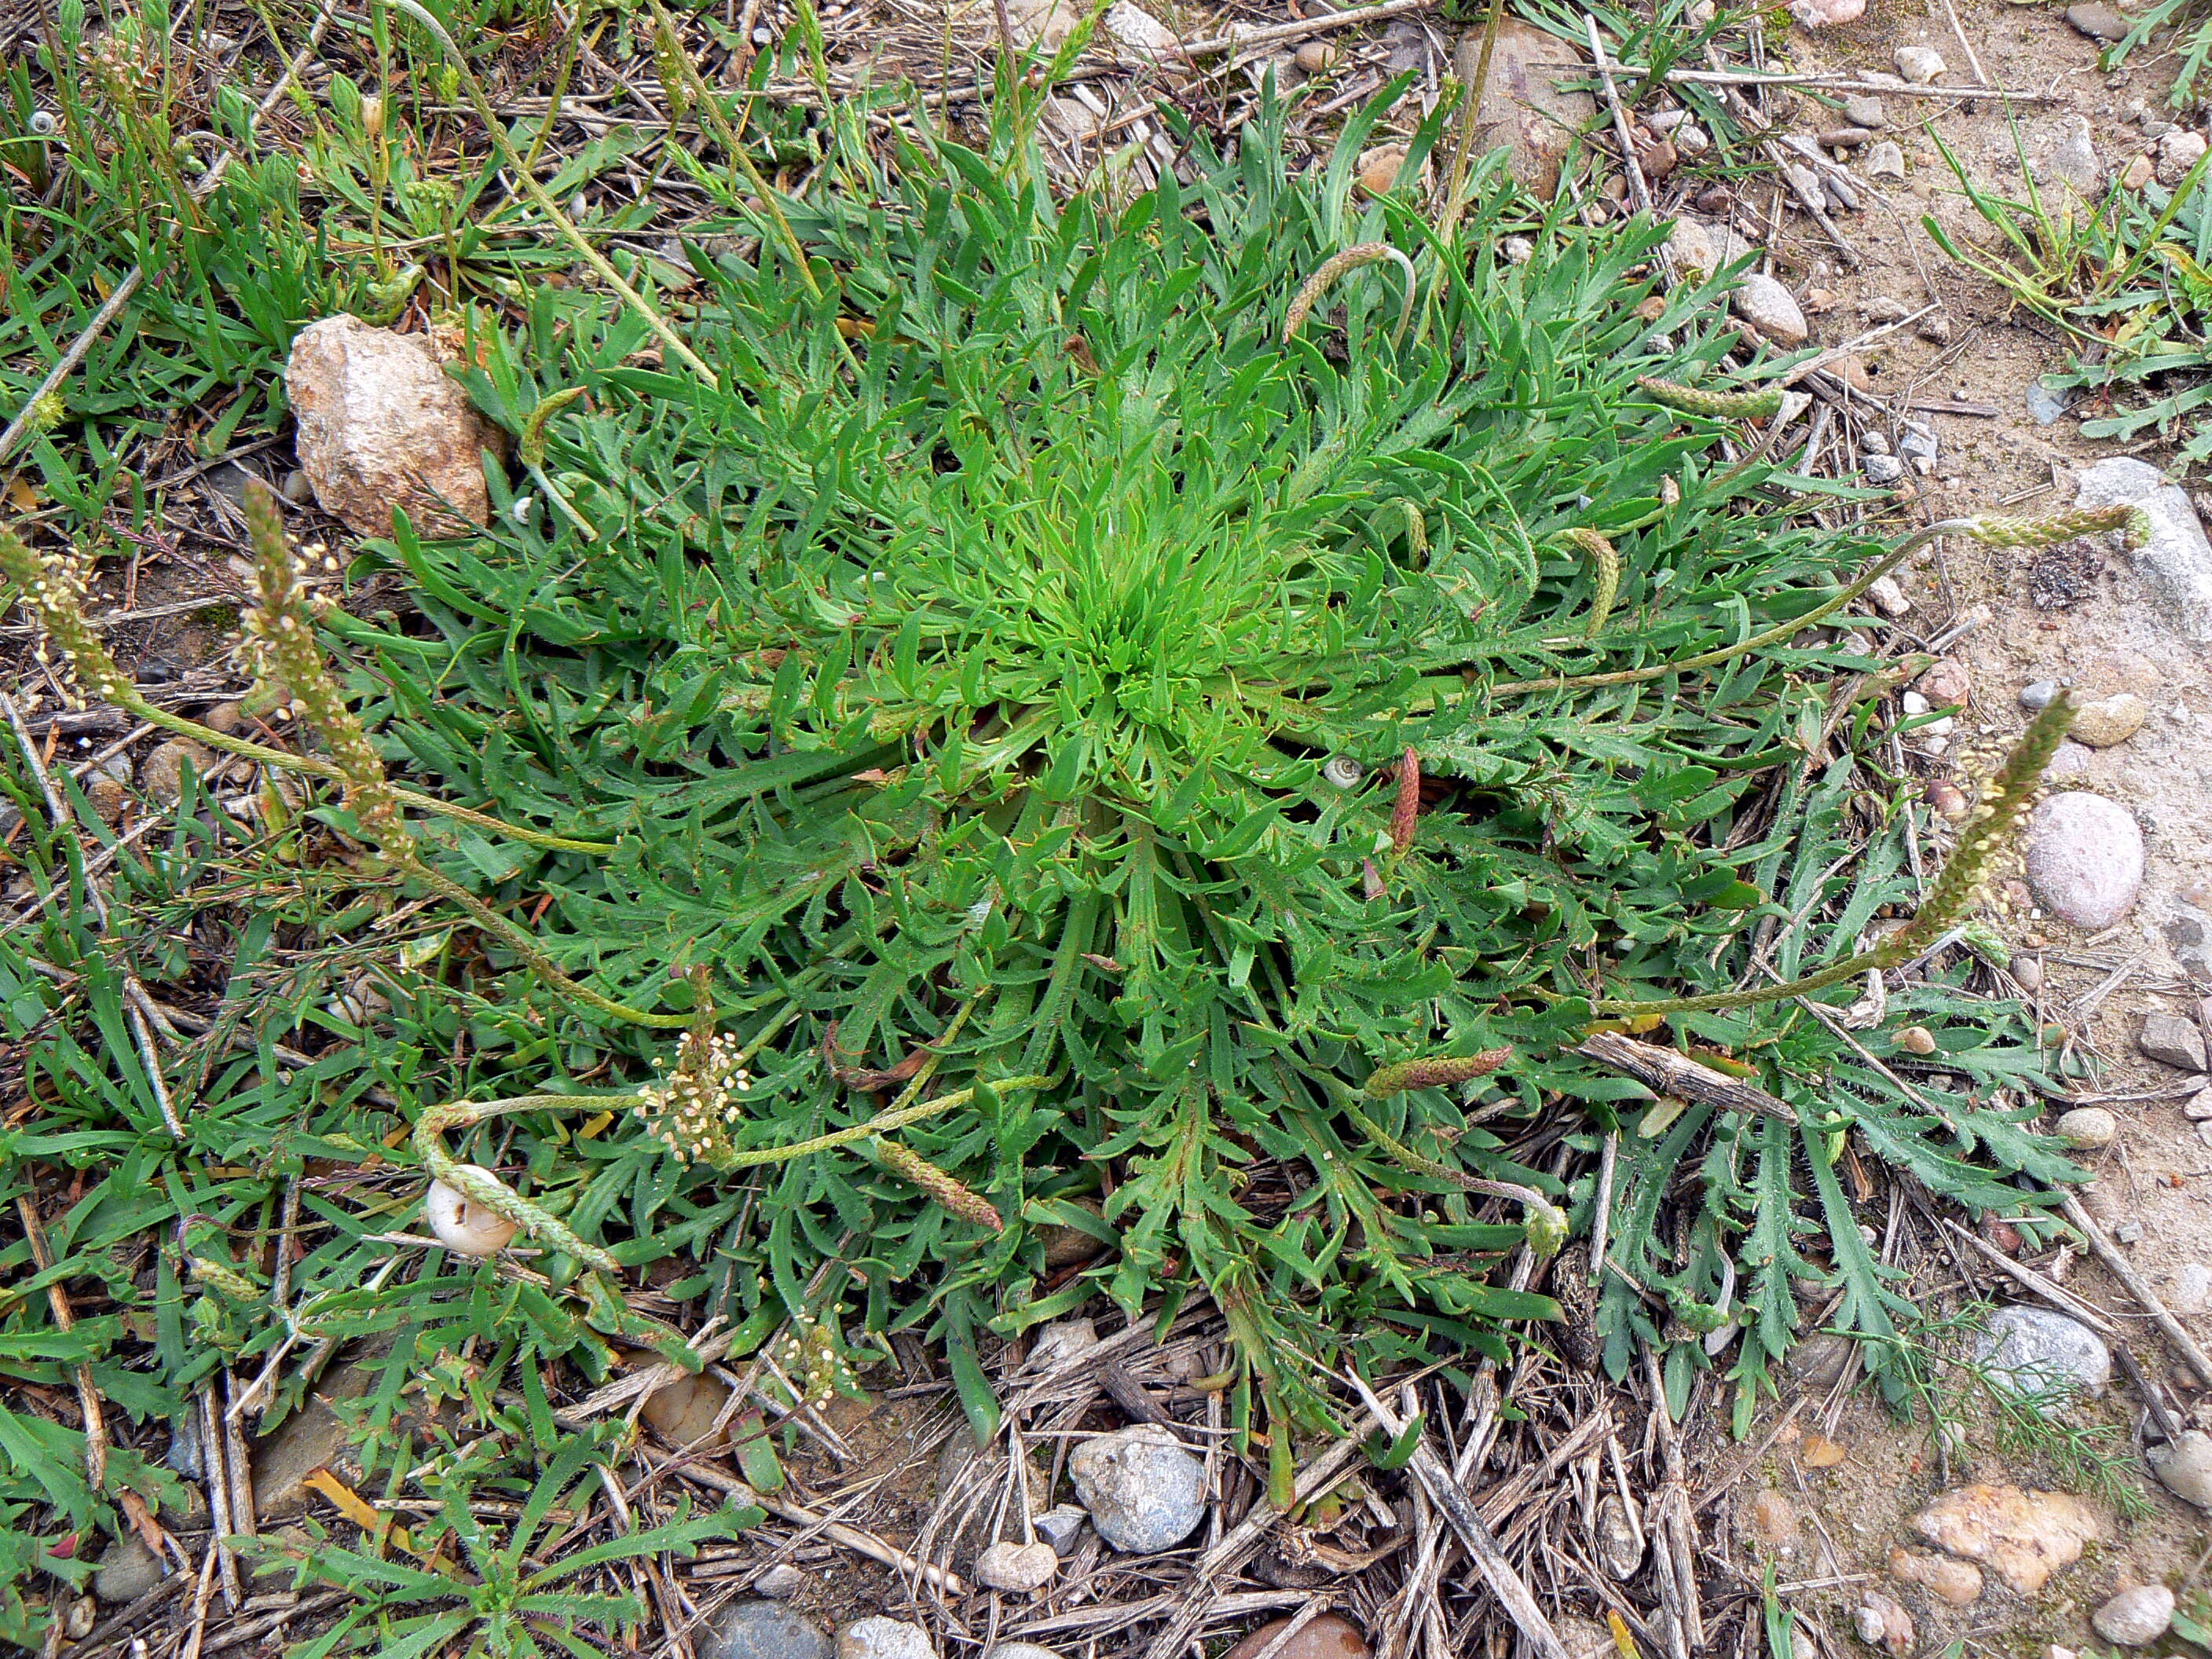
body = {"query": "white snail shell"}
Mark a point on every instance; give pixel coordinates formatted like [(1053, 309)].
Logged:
[(1343, 771), (462, 1227)]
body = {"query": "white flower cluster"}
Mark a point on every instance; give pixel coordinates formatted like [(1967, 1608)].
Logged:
[(692, 1110), (807, 1355)]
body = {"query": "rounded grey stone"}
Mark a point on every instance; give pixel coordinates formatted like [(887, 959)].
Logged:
[(2136, 1617), (2034, 1351), (2038, 694), (764, 1630), (1144, 1491), (126, 1571)]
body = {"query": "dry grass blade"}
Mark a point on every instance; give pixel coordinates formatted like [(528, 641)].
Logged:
[(1511, 1590)]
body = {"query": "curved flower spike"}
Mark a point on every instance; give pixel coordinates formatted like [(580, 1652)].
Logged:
[(1365, 253)]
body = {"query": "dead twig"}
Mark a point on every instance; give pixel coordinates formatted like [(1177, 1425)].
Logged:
[(1670, 1074)]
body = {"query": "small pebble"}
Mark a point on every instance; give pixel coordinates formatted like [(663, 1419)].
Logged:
[(108, 788), (883, 1638), (1936, 328), (2139, 172), (1885, 161), (1061, 1526), (1947, 683), (1920, 65), (1844, 137), (1378, 169), (2029, 1352), (1948, 800), (2178, 152), (1884, 1624), (2189, 1289), (2140, 1614), (2129, 1231), (1881, 469), (2097, 21), (1917, 1040), (1329, 1636), (1913, 702), (2027, 973), (1958, 1582), (2198, 1106), (1888, 597), (2108, 720), (2089, 1128), (1864, 110), (1316, 56), (781, 1582), (1017, 1567), (2038, 694), (2172, 1040), (1145, 1492), (2184, 1466), (1771, 308), (2085, 859)]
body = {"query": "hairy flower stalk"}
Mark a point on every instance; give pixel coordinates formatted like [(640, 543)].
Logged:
[(1405, 811), (1714, 406), (948, 1193), (54, 586), (1544, 1224), (282, 633), (1365, 253), (2004, 800), (1435, 1071)]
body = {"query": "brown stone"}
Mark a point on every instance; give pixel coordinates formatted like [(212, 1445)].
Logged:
[(2023, 1537), (1946, 682), (1957, 1582), (382, 426), (1524, 108), (683, 1412), (1769, 1517), (1378, 169), (1330, 1636)]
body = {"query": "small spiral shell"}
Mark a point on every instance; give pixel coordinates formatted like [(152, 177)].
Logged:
[(1343, 771), (463, 1227)]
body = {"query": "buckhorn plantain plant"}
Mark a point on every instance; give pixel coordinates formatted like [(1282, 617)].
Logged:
[(1205, 708)]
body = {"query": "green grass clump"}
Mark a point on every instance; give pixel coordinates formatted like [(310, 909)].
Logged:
[(1010, 659)]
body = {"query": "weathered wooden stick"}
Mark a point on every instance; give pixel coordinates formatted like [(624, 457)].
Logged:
[(1671, 1074)]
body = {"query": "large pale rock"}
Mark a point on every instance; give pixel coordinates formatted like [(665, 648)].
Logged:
[(2023, 1537), (382, 426), (2177, 565), (2085, 859), (1524, 106)]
